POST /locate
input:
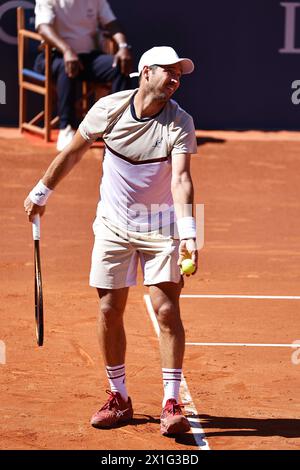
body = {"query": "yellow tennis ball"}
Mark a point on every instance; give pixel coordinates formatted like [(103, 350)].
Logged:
[(188, 266)]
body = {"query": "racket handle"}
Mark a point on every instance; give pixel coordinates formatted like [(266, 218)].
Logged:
[(36, 228)]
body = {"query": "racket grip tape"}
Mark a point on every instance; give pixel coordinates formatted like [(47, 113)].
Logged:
[(36, 228)]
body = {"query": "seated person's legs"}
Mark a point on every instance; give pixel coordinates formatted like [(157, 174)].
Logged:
[(66, 95), (98, 67)]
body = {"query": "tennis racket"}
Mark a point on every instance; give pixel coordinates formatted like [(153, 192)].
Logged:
[(38, 290)]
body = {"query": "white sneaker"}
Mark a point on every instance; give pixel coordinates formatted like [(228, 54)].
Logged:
[(64, 137)]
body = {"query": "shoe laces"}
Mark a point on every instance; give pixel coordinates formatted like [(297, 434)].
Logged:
[(112, 401), (173, 406)]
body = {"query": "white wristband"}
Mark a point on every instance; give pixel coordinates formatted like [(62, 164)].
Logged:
[(39, 194), (186, 228)]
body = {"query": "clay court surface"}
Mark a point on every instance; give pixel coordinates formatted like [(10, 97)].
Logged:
[(246, 397)]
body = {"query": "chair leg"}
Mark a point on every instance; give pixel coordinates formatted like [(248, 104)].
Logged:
[(47, 116), (101, 90), (84, 97), (22, 107)]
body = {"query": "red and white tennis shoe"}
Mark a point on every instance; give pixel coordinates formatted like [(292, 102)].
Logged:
[(172, 420), (114, 412)]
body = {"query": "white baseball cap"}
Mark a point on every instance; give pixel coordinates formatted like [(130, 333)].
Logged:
[(163, 55)]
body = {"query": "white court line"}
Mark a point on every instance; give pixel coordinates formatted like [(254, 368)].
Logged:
[(271, 297), (196, 427), (263, 345)]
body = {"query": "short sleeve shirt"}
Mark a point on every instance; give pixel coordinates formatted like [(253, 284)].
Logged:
[(137, 167), (75, 21)]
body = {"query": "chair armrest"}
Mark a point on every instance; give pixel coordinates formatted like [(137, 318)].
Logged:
[(107, 43), (30, 34)]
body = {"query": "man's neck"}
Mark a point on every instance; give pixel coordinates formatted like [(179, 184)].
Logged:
[(146, 105)]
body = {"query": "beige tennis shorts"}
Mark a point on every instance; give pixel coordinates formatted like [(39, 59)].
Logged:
[(116, 255)]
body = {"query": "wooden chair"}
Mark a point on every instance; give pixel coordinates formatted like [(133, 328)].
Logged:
[(29, 80), (34, 82)]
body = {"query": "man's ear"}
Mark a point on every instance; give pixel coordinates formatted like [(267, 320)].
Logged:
[(145, 72)]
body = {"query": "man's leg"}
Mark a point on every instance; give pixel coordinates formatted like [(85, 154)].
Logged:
[(111, 333), (98, 67), (66, 93), (66, 88), (165, 301), (112, 340)]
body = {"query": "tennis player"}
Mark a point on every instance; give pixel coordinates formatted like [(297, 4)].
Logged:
[(144, 214)]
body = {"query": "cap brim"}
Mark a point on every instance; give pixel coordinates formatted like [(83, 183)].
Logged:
[(187, 66)]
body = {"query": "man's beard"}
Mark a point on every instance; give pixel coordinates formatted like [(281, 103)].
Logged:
[(162, 96)]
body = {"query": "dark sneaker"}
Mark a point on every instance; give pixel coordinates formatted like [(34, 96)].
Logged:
[(172, 420), (115, 411)]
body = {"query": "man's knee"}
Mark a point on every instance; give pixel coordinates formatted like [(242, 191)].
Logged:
[(109, 314), (167, 316), (103, 69)]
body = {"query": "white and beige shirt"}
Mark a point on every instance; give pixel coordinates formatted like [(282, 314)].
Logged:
[(135, 191), (76, 21)]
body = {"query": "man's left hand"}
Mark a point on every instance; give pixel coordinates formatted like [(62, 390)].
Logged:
[(188, 249), (124, 58)]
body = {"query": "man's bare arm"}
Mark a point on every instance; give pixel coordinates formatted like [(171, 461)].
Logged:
[(58, 169), (72, 63), (182, 185), (123, 55), (183, 197)]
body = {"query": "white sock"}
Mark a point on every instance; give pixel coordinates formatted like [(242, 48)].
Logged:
[(171, 382), (116, 378)]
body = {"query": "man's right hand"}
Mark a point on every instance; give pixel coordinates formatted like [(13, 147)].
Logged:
[(71, 59), (32, 209), (72, 63)]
